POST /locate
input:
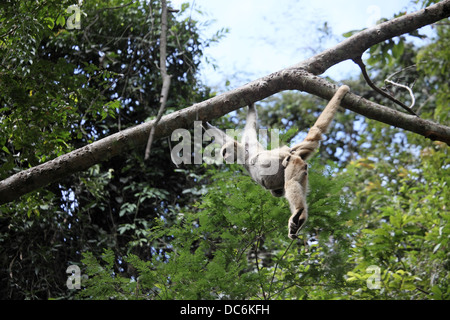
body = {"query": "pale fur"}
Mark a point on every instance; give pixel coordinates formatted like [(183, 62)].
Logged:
[(283, 171), (296, 188)]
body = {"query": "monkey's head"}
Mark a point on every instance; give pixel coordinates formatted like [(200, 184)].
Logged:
[(228, 152), (233, 152)]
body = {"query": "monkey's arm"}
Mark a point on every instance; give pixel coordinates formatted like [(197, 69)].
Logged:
[(295, 187), (306, 148), (231, 150), (250, 137)]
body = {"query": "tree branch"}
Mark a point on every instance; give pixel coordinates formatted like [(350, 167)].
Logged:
[(299, 77), (361, 65), (165, 77), (355, 45)]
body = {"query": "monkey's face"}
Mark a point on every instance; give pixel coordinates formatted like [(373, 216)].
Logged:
[(230, 152)]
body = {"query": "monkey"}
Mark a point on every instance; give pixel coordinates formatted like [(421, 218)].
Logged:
[(264, 166), (283, 171)]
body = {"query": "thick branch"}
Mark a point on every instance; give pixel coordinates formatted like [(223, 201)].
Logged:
[(361, 65), (360, 42), (294, 78), (136, 137)]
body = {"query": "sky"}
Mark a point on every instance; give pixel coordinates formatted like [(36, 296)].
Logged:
[(268, 35)]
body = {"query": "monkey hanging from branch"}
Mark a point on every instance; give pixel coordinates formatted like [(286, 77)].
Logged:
[(283, 171)]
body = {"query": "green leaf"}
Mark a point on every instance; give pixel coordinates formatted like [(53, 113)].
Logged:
[(61, 21)]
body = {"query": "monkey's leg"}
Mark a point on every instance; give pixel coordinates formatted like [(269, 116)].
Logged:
[(323, 121)]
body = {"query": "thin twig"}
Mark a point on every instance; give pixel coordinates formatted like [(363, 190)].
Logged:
[(388, 80), (396, 73), (276, 266), (413, 100), (258, 238), (361, 65), (165, 77)]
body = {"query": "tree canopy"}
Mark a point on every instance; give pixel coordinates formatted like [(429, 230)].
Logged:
[(73, 76)]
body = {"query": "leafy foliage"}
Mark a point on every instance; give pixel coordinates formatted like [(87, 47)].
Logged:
[(406, 225), (73, 87), (234, 246)]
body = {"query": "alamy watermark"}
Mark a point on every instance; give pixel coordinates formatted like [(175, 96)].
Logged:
[(74, 20), (74, 280), (372, 277), (373, 282), (191, 151)]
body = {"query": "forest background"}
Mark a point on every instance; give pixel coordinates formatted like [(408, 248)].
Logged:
[(147, 229)]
